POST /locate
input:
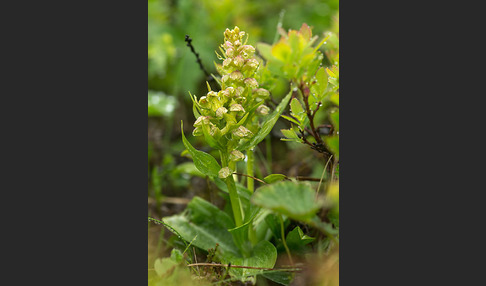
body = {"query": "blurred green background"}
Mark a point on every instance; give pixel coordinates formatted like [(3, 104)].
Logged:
[(173, 72)]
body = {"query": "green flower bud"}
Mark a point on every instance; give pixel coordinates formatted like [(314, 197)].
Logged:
[(236, 76), (225, 78), (212, 93), (239, 91), (224, 173), (220, 112), (228, 92), (230, 52), (261, 93), (203, 101), (197, 132), (228, 45), (238, 61), (251, 82), (242, 132), (263, 110), (227, 62), (246, 51), (236, 156), (237, 108), (200, 120), (250, 66)]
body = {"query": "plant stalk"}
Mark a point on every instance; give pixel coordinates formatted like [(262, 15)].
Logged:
[(249, 169), (233, 194)]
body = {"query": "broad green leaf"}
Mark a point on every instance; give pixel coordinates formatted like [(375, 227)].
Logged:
[(209, 223), (267, 126), (295, 200), (203, 161), (296, 107), (321, 82), (281, 51), (263, 255), (274, 178), (289, 133)]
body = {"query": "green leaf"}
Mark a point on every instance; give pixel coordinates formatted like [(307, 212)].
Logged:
[(209, 223), (295, 200), (163, 266), (265, 50), (267, 126), (204, 162), (264, 255), (291, 119), (274, 178), (280, 277), (289, 133), (188, 168), (321, 82), (296, 107), (296, 239)]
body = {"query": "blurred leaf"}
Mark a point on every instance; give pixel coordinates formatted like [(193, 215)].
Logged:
[(335, 119), (283, 278), (163, 266), (265, 50), (207, 222), (188, 168), (332, 143), (296, 239), (160, 104), (203, 161), (267, 126), (264, 255), (295, 200)]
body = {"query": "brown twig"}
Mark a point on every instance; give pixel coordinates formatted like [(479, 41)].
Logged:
[(293, 269), (188, 39)]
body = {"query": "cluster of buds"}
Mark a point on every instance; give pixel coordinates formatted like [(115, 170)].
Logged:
[(229, 115), (240, 97)]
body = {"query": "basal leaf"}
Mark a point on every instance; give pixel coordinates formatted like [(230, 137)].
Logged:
[(264, 255), (204, 162), (295, 200), (209, 223)]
